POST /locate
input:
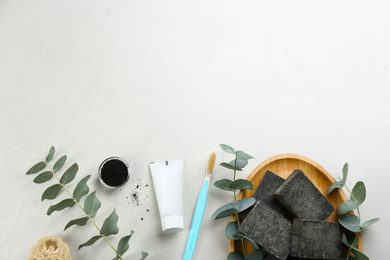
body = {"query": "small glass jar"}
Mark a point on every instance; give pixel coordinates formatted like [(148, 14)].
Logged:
[(114, 172)]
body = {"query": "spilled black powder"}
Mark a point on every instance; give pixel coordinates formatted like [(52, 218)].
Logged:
[(135, 197), (114, 173)]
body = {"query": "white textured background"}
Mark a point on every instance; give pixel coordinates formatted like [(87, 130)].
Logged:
[(155, 80)]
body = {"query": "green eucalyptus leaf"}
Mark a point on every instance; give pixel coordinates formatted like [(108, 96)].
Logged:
[(61, 205), (36, 168), (255, 255), (229, 166), (347, 206), (143, 255), (345, 173), (241, 184), (92, 204), (51, 192), (116, 258), (91, 241), (359, 255), (239, 163), (110, 226), (345, 241), (369, 222), (235, 256), (123, 244), (241, 236), (225, 211), (69, 174), (50, 154), (223, 184), (358, 193), (59, 163), (336, 185), (78, 222), (244, 156), (81, 189), (43, 177), (350, 238), (350, 222), (231, 229), (227, 148), (246, 203)]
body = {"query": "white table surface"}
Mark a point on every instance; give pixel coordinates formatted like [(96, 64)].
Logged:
[(155, 80)]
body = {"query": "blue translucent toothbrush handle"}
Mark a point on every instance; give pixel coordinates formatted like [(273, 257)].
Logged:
[(196, 221)]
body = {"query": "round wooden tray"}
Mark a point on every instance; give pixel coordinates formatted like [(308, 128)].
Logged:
[(283, 165)]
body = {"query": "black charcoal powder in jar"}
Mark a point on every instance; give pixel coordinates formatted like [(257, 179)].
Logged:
[(113, 172)]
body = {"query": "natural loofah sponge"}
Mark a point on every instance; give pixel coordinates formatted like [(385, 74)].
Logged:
[(50, 248)]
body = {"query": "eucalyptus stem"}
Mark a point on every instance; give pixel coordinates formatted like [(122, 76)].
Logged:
[(235, 201), (347, 215), (234, 209), (350, 248), (81, 207), (357, 233), (357, 209)]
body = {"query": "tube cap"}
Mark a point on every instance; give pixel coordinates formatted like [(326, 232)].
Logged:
[(172, 224)]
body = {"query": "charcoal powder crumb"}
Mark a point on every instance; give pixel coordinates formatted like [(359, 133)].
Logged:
[(135, 198)]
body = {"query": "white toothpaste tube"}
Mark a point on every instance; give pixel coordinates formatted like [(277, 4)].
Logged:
[(168, 185)]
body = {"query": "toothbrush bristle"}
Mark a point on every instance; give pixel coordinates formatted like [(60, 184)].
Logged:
[(211, 163)]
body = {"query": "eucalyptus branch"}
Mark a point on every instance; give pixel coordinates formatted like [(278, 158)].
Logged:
[(350, 221), (64, 187), (88, 215), (353, 198), (235, 200), (238, 206), (357, 233), (351, 246), (91, 203)]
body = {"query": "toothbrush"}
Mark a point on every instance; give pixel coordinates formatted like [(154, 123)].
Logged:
[(200, 205)]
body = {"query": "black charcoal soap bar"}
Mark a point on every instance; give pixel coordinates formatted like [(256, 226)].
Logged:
[(302, 198), (269, 229), (316, 239), (266, 189), (269, 257)]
